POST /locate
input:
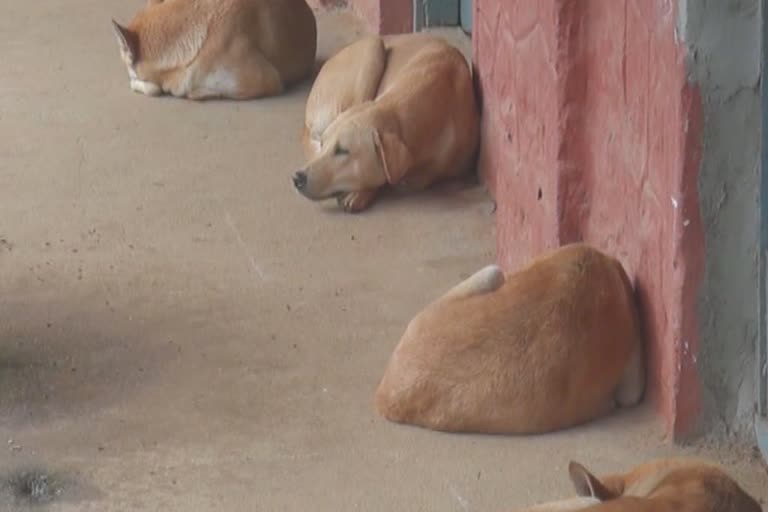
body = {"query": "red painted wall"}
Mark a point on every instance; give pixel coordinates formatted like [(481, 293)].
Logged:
[(590, 132), (382, 16)]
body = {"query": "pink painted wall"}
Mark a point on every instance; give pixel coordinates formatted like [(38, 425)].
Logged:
[(591, 132)]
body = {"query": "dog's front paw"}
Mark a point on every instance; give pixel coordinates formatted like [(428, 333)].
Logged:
[(354, 202), (146, 88)]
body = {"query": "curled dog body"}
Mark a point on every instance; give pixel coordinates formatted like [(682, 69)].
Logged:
[(554, 345), (406, 116), (200, 49), (662, 485)]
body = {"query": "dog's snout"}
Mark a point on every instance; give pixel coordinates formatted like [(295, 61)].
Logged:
[(300, 180)]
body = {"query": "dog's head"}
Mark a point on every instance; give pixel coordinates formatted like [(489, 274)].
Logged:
[(703, 484), (355, 155), (588, 485), (143, 76), (139, 72)]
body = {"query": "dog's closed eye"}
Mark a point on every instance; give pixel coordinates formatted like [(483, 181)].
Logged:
[(338, 150)]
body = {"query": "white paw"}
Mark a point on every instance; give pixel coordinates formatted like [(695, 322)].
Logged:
[(147, 88)]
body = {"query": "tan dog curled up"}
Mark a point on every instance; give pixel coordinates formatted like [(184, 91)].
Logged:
[(396, 111), (662, 485), (200, 49), (549, 347)]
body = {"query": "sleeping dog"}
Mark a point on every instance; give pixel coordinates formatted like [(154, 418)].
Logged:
[(395, 111), (237, 49), (551, 346), (664, 485)]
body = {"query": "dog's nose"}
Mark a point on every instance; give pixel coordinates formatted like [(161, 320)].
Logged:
[(300, 180)]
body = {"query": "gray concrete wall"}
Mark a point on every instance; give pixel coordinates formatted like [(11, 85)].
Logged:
[(723, 40)]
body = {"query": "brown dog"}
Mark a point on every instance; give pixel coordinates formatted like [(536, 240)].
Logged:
[(546, 348), (397, 111), (665, 485), (234, 49)]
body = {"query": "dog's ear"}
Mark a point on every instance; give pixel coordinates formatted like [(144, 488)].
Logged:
[(587, 484), (395, 157), (128, 41)]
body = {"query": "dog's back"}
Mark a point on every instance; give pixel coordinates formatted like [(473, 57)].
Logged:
[(543, 349), (219, 48)]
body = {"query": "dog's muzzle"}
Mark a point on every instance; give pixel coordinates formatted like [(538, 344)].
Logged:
[(300, 180)]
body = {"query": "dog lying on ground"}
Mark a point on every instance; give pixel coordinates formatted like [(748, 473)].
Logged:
[(665, 485), (397, 111), (551, 346), (202, 49)]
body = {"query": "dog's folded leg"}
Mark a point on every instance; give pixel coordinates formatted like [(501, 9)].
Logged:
[(632, 385), (371, 55), (252, 77), (350, 78), (259, 78), (579, 503), (146, 88), (483, 281), (354, 202)]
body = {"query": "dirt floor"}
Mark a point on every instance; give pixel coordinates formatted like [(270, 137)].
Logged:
[(180, 331)]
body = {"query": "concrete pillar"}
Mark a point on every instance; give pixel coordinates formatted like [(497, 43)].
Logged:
[(591, 133), (724, 41)]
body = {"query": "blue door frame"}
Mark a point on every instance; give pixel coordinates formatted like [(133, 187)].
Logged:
[(466, 15), (761, 419), (442, 13)]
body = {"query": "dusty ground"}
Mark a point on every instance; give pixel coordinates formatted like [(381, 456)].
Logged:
[(179, 331)]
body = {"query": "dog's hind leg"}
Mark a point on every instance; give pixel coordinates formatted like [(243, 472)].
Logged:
[(240, 73), (579, 503), (372, 55), (632, 384), (350, 78), (257, 78), (483, 281), (259, 82)]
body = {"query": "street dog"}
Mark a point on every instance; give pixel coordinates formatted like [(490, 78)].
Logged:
[(552, 346), (235, 49), (397, 111), (663, 485)]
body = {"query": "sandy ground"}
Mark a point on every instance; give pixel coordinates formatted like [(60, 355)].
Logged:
[(179, 331)]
